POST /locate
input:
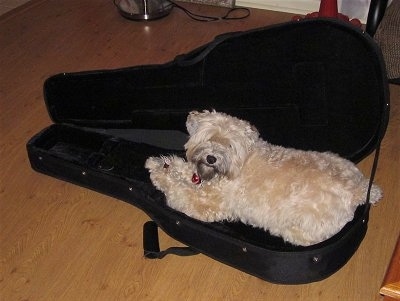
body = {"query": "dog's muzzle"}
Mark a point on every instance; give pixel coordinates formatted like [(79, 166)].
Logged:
[(206, 168)]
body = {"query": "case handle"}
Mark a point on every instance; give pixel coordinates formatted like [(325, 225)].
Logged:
[(151, 245)]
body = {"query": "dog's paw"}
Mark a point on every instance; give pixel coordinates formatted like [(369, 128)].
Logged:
[(158, 163), (153, 163)]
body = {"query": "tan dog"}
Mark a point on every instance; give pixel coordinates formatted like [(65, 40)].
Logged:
[(232, 174)]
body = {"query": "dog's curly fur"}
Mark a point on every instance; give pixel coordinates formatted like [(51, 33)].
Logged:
[(303, 196)]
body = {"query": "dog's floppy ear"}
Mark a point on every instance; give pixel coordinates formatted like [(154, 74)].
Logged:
[(191, 122), (254, 132)]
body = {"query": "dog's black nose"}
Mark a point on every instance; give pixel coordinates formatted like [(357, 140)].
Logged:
[(211, 159)]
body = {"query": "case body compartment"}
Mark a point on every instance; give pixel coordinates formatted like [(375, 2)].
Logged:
[(314, 85)]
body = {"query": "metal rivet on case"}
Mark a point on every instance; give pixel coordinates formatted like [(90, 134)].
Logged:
[(363, 221), (40, 158), (315, 259), (244, 249), (178, 223), (83, 173), (130, 188)]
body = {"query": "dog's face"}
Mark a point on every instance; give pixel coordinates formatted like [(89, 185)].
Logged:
[(218, 143)]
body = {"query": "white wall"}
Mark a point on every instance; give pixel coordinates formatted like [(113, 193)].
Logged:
[(352, 8)]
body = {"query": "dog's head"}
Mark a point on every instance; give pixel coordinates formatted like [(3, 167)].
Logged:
[(218, 143)]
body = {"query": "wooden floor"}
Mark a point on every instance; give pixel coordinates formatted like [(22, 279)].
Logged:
[(63, 242), (8, 5)]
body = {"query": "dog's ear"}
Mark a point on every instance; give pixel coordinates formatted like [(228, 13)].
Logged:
[(192, 122), (254, 132)]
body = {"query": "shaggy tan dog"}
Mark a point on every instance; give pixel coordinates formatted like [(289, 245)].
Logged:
[(232, 174)]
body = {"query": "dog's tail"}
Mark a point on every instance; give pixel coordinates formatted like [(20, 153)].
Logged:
[(375, 193)]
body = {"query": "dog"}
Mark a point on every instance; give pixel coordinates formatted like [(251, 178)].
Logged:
[(231, 174)]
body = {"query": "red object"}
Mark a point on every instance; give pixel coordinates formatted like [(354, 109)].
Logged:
[(329, 9), (196, 179)]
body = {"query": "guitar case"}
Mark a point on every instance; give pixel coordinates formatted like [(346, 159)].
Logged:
[(314, 84)]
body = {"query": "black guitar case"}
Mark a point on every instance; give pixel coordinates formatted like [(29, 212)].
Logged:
[(312, 84)]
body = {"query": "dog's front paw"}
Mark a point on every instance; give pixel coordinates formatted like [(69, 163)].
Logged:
[(159, 170), (172, 169), (157, 163), (152, 163)]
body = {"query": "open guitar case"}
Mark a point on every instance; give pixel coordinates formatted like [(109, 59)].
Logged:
[(317, 84)]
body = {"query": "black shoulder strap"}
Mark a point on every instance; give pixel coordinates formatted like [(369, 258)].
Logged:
[(372, 176), (151, 245), (376, 12)]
